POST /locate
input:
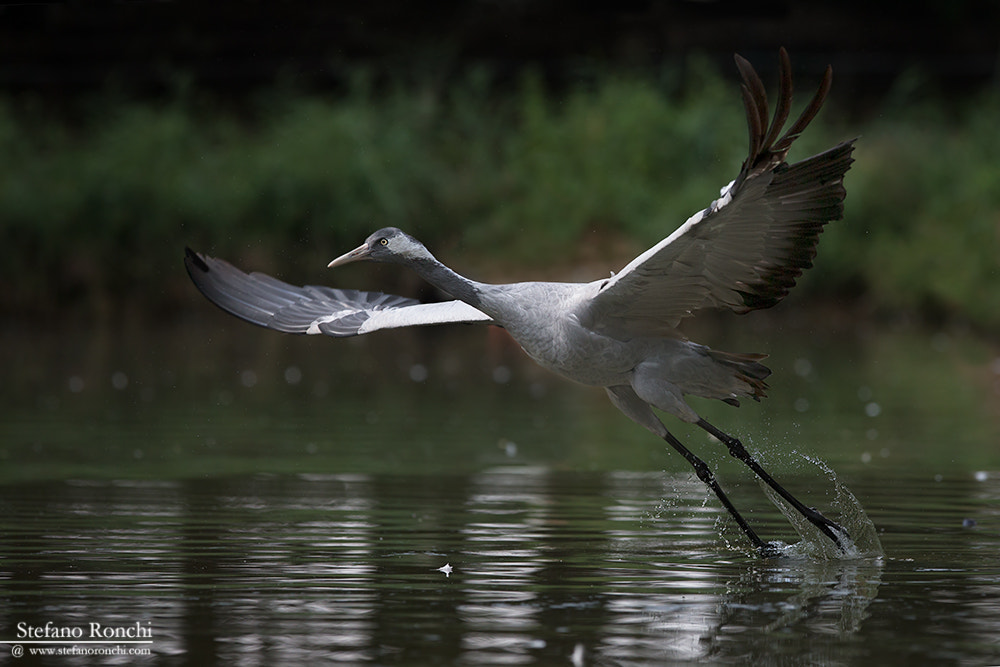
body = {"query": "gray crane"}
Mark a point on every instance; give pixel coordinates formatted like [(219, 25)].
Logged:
[(743, 252)]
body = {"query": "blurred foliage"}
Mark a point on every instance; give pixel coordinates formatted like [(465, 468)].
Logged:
[(96, 210), (922, 229)]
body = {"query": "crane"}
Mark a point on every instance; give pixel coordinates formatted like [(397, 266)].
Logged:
[(743, 252)]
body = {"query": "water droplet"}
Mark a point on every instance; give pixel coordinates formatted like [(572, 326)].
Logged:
[(248, 378), (418, 372), (293, 375), (119, 380), (501, 375)]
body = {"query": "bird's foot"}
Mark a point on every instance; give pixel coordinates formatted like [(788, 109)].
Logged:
[(773, 549), (831, 529)]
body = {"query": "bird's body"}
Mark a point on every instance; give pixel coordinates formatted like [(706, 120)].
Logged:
[(549, 321), (743, 252), (541, 317)]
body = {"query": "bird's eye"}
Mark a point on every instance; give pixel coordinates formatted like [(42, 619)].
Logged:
[(384, 241)]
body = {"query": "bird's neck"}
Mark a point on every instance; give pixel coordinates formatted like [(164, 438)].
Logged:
[(453, 283)]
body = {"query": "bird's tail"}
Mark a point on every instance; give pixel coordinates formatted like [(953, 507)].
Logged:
[(746, 369)]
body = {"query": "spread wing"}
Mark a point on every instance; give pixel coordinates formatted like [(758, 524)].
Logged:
[(746, 249), (269, 302)]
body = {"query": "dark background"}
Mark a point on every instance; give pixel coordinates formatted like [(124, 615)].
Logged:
[(61, 50)]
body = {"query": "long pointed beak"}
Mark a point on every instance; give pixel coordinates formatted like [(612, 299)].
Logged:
[(361, 252)]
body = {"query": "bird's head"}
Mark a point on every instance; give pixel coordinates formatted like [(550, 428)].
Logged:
[(386, 245)]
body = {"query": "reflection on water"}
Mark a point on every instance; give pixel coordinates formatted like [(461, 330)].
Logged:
[(293, 569)]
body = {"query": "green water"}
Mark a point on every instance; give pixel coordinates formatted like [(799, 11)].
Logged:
[(251, 498)]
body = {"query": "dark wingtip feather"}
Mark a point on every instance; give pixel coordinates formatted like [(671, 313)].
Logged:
[(193, 259), (784, 99), (808, 114), (228, 288), (767, 154), (827, 169), (754, 127), (755, 85), (765, 145), (755, 105)]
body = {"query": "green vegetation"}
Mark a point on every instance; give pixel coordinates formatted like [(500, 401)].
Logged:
[(95, 211)]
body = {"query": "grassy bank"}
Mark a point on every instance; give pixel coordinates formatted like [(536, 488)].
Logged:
[(95, 210)]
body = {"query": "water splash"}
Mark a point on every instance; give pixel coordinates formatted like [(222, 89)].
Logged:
[(861, 539)]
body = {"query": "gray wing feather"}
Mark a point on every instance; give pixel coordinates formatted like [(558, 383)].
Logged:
[(746, 250), (268, 302)]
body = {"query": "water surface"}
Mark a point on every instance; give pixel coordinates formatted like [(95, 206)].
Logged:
[(258, 499)]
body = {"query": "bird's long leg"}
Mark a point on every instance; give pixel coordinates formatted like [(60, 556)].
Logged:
[(706, 475), (829, 528), (639, 411)]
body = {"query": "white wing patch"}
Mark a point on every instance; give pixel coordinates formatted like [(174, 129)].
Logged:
[(446, 312), (332, 317), (425, 313)]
